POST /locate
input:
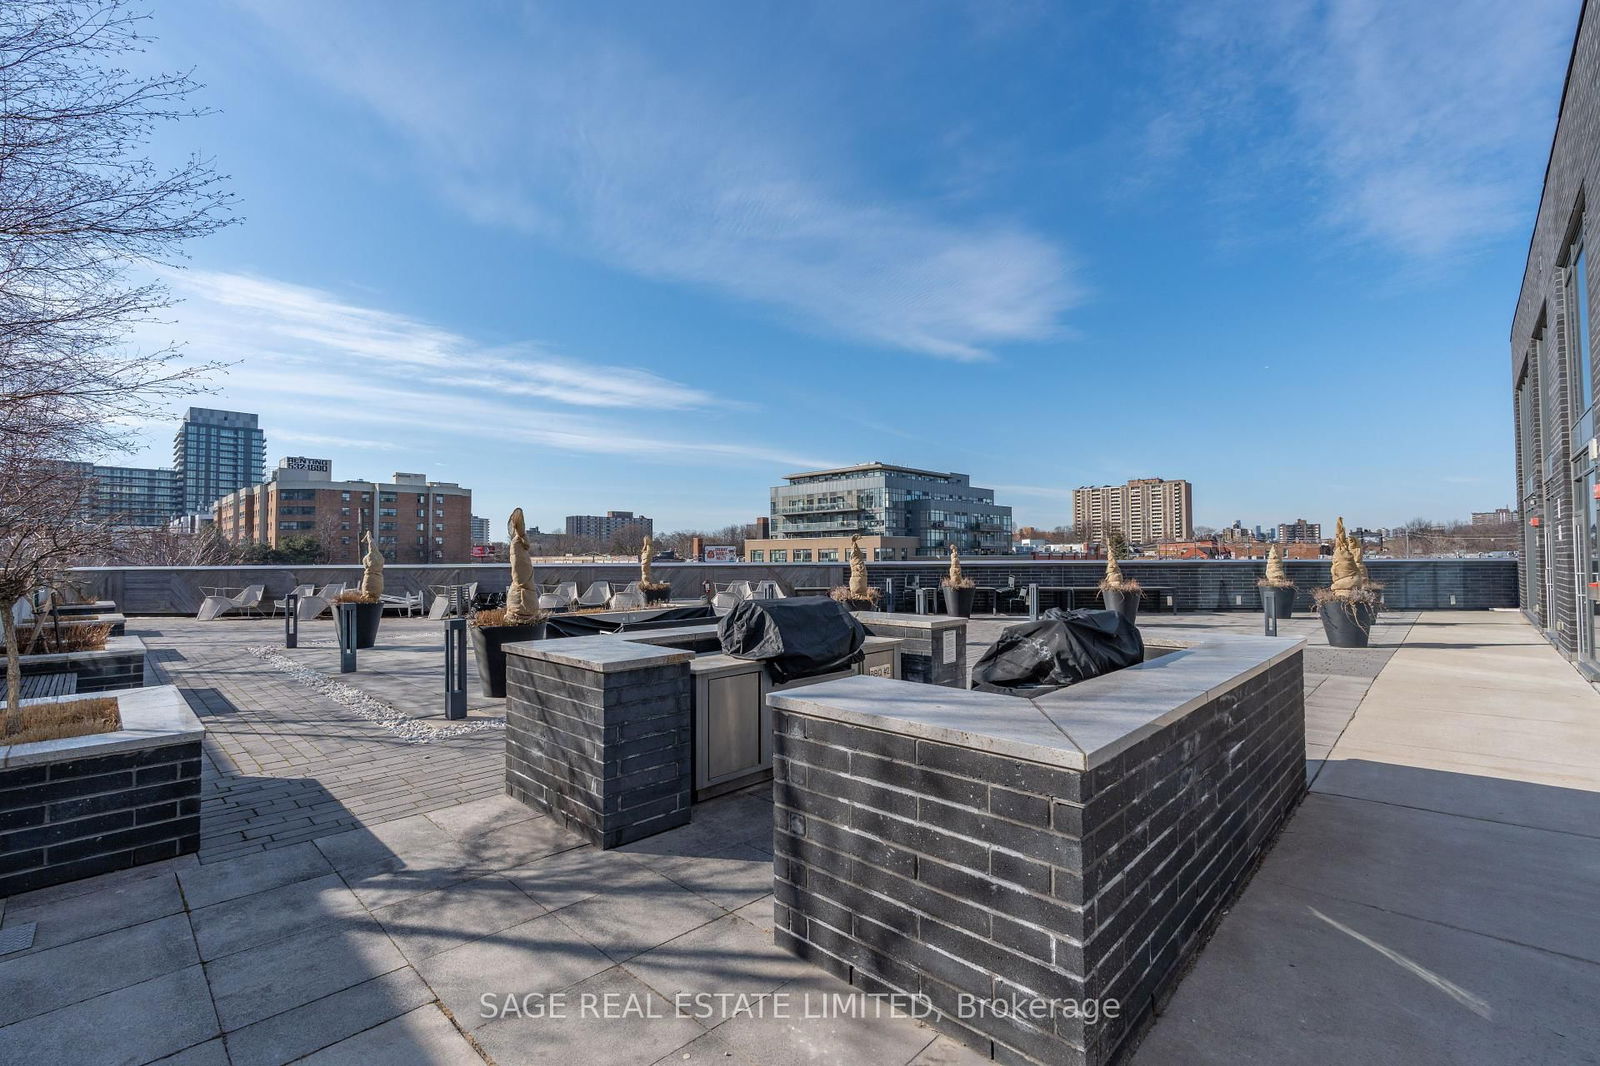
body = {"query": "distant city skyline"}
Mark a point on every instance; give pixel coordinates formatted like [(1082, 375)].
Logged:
[(795, 236)]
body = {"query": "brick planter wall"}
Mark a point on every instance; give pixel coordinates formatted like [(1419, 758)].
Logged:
[(69, 812), (936, 870), (927, 646), (120, 665)]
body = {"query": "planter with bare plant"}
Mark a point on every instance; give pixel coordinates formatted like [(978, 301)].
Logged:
[(1277, 591), (520, 619), (858, 595), (1350, 605), (958, 590), (655, 592), (1120, 592)]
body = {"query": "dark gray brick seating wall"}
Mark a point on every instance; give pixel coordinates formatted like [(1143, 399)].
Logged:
[(1206, 585), (933, 870), (606, 754), (121, 665), (67, 820)]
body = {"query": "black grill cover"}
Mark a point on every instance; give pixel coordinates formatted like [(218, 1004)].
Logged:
[(1060, 649), (797, 637)]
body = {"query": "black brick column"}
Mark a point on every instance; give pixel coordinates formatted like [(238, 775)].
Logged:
[(607, 752)]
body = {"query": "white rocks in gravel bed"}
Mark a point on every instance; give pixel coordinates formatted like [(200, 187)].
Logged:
[(369, 707)]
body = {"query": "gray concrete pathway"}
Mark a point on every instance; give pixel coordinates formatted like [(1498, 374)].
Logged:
[(1434, 899)]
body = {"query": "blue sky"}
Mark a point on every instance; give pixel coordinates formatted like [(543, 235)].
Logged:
[(653, 256)]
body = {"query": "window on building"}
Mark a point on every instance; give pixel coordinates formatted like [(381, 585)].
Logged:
[(802, 555), (780, 555), (757, 555), (827, 555), (1578, 281)]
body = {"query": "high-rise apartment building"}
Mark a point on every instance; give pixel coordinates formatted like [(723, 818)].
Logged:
[(1147, 510), (413, 520), (609, 526), (1299, 532), (480, 531), (899, 512), (216, 452)]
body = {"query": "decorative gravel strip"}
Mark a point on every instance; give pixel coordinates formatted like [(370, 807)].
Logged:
[(369, 707)]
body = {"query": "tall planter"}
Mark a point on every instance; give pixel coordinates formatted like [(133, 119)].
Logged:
[(654, 597), (489, 648), (958, 601), (1124, 603), (368, 615), (1280, 596), (1348, 625)]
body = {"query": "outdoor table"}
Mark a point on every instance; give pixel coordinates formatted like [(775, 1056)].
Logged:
[(1094, 590)]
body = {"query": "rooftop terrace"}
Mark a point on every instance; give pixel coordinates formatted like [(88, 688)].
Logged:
[(362, 883)]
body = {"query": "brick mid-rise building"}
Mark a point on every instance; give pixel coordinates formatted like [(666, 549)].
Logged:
[(413, 520)]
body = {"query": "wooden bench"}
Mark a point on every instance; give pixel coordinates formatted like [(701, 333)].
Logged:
[(49, 685)]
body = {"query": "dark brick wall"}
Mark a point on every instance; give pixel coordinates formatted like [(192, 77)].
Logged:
[(609, 755), (68, 820), (922, 653), (1225, 585), (96, 671), (933, 870)]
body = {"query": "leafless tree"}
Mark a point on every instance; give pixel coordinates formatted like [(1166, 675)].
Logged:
[(82, 210), (80, 203)]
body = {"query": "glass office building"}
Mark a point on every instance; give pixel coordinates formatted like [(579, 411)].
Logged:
[(215, 453), (931, 508)]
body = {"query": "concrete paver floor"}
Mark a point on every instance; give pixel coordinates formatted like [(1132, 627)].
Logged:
[(1432, 900)]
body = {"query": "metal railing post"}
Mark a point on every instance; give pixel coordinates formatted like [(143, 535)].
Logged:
[(291, 621), (1033, 603), (344, 619), (455, 669)]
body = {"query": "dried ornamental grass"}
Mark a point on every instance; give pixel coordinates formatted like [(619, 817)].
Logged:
[(497, 617), (352, 596), (41, 640), (57, 721), (1114, 580)]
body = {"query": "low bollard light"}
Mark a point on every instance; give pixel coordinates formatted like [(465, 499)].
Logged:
[(344, 620), (455, 669), (291, 620), (1033, 603), (888, 594), (1271, 615)]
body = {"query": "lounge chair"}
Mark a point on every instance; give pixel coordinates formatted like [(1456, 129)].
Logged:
[(312, 606), (630, 596), (216, 604), (596, 595), (769, 590), (726, 597), (558, 597), (281, 604)]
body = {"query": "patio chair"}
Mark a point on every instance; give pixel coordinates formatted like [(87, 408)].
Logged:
[(440, 606), (311, 607), (558, 597), (742, 590), (723, 597), (465, 598), (769, 590), (282, 602), (596, 595), (410, 603), (630, 596), (216, 604)]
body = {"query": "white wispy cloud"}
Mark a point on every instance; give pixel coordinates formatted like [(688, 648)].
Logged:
[(308, 360), (571, 134), (1418, 127)]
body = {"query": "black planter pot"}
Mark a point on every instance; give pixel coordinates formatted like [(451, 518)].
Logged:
[(864, 604), (1283, 596), (1124, 603), (368, 615), (489, 648), (657, 596), (958, 601), (1348, 625)]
